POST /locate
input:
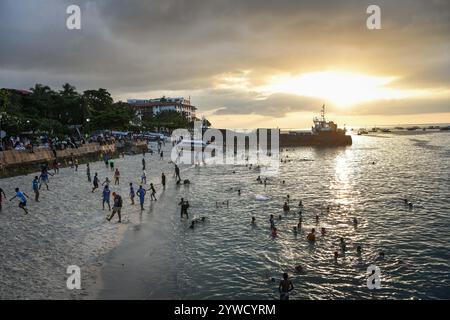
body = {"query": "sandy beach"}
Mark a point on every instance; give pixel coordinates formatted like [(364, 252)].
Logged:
[(67, 227)]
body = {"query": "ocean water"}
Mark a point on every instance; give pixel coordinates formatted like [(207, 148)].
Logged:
[(154, 255), (416, 242), (228, 258)]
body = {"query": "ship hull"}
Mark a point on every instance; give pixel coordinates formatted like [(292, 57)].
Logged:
[(321, 140)]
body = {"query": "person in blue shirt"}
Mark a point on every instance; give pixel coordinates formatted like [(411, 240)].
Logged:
[(43, 178), (132, 193), (141, 193), (106, 197), (35, 185), (22, 196)]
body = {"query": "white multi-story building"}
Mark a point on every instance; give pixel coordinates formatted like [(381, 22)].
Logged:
[(155, 106)]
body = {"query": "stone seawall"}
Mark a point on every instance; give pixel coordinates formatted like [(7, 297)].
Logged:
[(14, 162)]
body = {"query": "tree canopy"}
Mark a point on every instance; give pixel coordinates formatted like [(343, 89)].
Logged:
[(42, 109)]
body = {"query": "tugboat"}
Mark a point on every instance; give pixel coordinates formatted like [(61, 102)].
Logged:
[(323, 133)]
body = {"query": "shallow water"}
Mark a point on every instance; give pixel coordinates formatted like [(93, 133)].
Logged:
[(227, 258)]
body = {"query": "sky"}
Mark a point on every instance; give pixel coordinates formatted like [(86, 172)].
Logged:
[(246, 63)]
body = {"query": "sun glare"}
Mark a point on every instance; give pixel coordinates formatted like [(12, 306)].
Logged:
[(341, 88)]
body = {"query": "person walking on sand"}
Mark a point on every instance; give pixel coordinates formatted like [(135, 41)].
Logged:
[(132, 193), (35, 185), (106, 182), (106, 159), (117, 207), (143, 164), (141, 194), (161, 156), (285, 287), (43, 178), (111, 165), (152, 195), (163, 180), (116, 177), (1, 199), (144, 177), (22, 196), (55, 166), (95, 182), (177, 173), (88, 172), (76, 164), (106, 197)]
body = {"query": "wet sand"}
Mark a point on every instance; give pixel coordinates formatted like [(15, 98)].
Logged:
[(67, 227)]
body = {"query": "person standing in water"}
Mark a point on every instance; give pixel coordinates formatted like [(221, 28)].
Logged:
[(22, 196), (1, 199), (35, 185), (117, 207), (285, 287), (141, 194), (116, 177), (88, 172), (132, 193), (95, 182), (163, 180), (106, 197), (152, 195)]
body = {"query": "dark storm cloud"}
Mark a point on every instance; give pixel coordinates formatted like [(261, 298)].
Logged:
[(144, 46)]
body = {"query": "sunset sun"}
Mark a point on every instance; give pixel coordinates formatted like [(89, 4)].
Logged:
[(344, 89)]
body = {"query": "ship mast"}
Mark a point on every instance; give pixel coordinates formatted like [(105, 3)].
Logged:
[(322, 113)]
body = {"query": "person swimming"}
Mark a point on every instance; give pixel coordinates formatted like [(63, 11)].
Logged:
[(272, 222), (336, 255), (312, 235), (295, 230), (381, 254), (274, 232), (343, 244), (323, 231), (300, 204), (253, 221), (286, 207), (298, 268)]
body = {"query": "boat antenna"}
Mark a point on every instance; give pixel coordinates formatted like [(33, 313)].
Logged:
[(322, 113)]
